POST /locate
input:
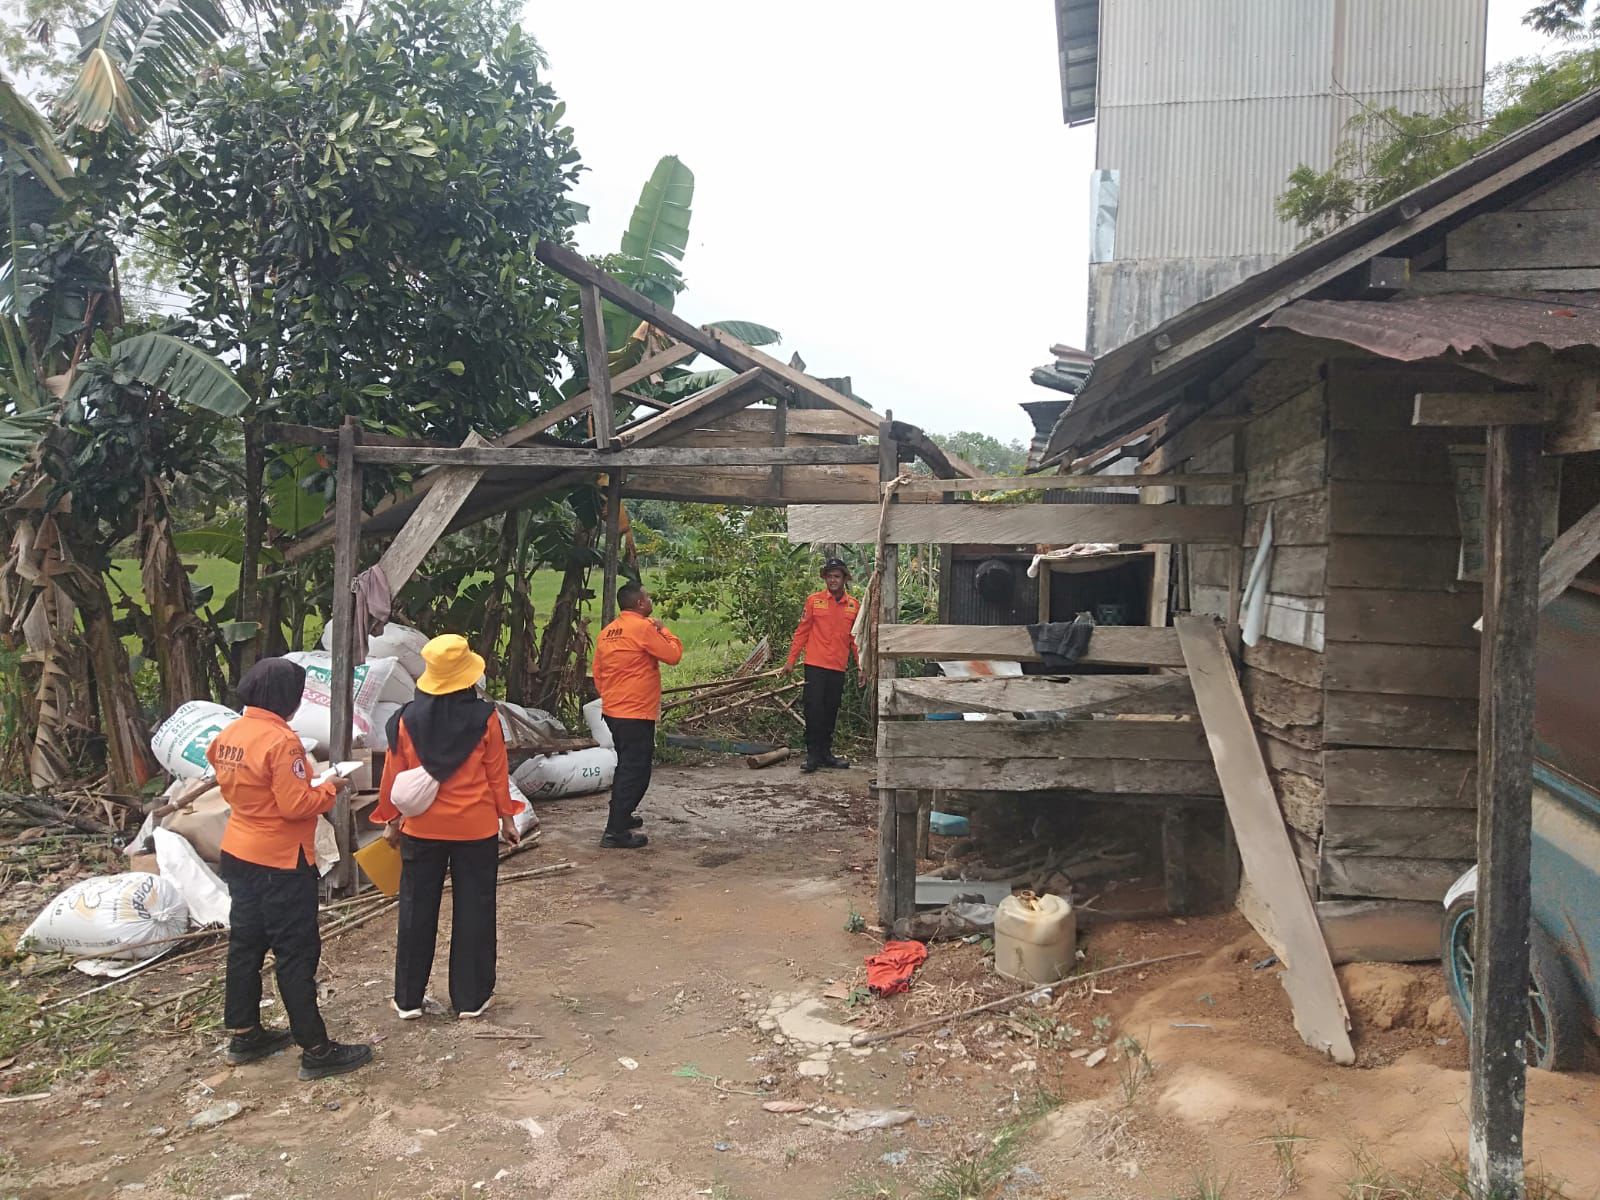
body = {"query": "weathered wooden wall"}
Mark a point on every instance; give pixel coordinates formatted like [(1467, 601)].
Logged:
[(1364, 689), (1401, 661), (1284, 450)]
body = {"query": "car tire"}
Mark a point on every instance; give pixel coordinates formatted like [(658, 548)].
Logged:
[(1556, 1013)]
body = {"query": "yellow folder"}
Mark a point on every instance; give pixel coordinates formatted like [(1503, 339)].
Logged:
[(381, 862)]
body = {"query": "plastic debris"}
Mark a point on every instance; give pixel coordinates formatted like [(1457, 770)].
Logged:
[(216, 1114)]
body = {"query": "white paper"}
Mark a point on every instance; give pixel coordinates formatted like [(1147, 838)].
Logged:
[(346, 769)]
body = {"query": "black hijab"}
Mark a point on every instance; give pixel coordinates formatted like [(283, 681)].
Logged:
[(274, 684), (445, 730)]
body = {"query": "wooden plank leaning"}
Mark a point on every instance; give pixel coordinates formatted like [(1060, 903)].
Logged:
[(1279, 908), (429, 520)]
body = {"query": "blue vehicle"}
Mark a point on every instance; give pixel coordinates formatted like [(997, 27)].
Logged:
[(1564, 942)]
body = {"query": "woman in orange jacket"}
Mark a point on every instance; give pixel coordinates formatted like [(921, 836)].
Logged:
[(447, 744), (269, 864)]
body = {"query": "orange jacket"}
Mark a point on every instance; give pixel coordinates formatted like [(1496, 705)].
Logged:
[(627, 666), (470, 803), (824, 632), (266, 780)]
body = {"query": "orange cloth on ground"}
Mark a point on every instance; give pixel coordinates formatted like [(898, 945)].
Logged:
[(627, 666), (266, 779), (824, 631), (890, 970), (470, 803)]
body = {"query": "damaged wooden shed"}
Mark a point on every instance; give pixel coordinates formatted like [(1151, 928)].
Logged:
[(768, 434), (1411, 404)]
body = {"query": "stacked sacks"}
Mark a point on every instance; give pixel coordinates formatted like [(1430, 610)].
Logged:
[(577, 772), (377, 681)]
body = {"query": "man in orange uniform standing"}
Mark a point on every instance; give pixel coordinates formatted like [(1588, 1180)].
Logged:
[(627, 674), (824, 638)]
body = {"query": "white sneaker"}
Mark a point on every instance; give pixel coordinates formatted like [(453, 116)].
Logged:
[(430, 1006), (477, 1012)]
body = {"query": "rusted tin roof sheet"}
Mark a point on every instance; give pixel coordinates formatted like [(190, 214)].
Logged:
[(1427, 327)]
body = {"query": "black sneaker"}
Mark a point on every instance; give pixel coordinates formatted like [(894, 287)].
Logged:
[(333, 1058), (635, 822), (836, 763), (259, 1043), (626, 840), (808, 767)]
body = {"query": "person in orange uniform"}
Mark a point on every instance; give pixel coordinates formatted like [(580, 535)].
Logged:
[(452, 735), (824, 638), (627, 674), (269, 864)]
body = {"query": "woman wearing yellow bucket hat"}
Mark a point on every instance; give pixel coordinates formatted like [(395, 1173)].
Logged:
[(446, 800)]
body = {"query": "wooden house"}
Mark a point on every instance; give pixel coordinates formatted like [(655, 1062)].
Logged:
[(1350, 387)]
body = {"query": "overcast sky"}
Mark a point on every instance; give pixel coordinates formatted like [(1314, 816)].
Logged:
[(888, 183)]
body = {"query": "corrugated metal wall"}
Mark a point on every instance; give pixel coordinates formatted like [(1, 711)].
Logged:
[(1205, 106)]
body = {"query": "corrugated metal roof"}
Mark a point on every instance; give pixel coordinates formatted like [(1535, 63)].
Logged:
[(1430, 326), (1126, 388), (1078, 45)]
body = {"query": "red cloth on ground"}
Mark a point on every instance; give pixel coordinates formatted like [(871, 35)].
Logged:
[(890, 970)]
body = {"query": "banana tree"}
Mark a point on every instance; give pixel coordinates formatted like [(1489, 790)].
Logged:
[(650, 262), (91, 419)]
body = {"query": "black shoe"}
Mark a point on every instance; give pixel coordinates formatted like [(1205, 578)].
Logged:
[(635, 822), (808, 767), (626, 840), (836, 763), (259, 1043), (333, 1058)]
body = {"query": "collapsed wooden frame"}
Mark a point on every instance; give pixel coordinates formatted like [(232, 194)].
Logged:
[(746, 455)]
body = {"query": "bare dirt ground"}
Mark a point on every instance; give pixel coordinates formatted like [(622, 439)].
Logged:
[(651, 1003)]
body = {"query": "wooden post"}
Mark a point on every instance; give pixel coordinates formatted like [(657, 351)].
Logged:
[(897, 868), (780, 434), (905, 852), (1505, 808), (346, 554), (594, 350), (888, 828), (608, 597)]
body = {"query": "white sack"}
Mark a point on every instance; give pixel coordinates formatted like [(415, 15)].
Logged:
[(598, 729), (205, 895), (111, 916), (396, 641), (180, 743), (376, 681), (514, 717), (527, 820), (326, 845), (576, 773), (382, 714)]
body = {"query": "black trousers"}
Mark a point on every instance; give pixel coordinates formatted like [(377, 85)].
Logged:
[(273, 909), (823, 691), (636, 752), (474, 869)]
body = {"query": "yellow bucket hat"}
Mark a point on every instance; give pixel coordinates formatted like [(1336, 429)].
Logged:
[(452, 665)]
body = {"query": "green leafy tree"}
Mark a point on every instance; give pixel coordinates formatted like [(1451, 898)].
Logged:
[(1564, 18), (351, 205), (1387, 152), (989, 454)]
